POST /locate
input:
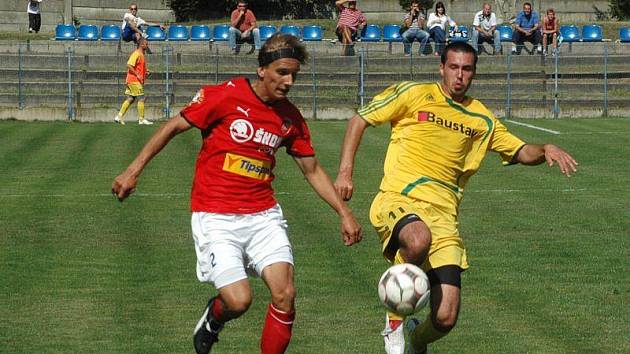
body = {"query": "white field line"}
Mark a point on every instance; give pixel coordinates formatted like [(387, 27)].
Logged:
[(179, 195), (534, 127)]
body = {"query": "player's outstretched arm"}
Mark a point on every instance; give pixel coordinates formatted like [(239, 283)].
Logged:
[(351, 141), (322, 184), (532, 154), (125, 183)]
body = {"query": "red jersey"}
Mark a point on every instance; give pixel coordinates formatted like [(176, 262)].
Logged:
[(241, 135)]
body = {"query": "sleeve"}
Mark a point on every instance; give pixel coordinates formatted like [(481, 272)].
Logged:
[(300, 145), (493, 20), (140, 22), (450, 21), (476, 20), (363, 19), (251, 16), (535, 19), (203, 110), (234, 15), (133, 58), (389, 105), (504, 142), (519, 19)]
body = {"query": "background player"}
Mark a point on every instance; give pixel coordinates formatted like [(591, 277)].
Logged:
[(136, 74), (236, 221), (439, 136)]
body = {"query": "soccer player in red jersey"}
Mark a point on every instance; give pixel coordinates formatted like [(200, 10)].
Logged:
[(237, 225)]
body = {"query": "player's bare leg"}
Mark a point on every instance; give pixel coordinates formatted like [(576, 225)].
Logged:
[(233, 301), (276, 334), (414, 240), (445, 302)]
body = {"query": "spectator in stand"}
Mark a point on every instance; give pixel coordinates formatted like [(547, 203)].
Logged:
[(485, 29), (526, 29), (550, 30), (414, 22), (437, 26), (133, 26), (34, 16), (243, 27), (351, 23)]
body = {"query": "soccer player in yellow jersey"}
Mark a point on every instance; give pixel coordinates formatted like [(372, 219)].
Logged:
[(439, 136), (136, 74)]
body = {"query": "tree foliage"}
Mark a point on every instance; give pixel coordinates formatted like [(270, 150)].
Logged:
[(620, 9), (264, 9)]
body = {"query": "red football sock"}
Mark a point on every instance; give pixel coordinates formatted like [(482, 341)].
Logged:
[(217, 312), (277, 331)]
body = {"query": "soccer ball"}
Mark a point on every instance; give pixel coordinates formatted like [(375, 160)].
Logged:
[(404, 289)]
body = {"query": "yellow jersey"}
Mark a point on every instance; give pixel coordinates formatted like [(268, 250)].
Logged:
[(436, 144)]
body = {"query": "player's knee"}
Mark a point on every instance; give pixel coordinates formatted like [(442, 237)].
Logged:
[(238, 305), (444, 321), (283, 299), (415, 240)]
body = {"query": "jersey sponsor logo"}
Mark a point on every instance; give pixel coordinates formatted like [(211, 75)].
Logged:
[(198, 98), (230, 84), (241, 131), (267, 138), (458, 127), (247, 166)]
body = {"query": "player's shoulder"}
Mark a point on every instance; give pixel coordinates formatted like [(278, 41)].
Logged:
[(476, 106)]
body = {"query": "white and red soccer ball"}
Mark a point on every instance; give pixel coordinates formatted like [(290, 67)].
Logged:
[(404, 289)]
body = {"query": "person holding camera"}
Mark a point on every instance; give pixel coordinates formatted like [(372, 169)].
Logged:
[(414, 22)]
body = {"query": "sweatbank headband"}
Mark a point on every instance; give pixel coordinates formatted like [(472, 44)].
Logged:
[(269, 57)]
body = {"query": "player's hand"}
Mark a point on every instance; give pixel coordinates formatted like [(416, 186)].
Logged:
[(566, 163), (123, 186), (344, 187), (350, 230)]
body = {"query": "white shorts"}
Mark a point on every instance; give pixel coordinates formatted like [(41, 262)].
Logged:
[(231, 246)]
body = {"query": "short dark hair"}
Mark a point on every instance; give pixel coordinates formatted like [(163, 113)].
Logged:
[(527, 4), (460, 47), (279, 46)]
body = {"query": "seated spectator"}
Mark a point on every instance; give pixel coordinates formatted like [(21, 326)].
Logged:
[(437, 26), (133, 26), (351, 22), (34, 16), (485, 29), (550, 31), (414, 22), (526, 29), (243, 27)]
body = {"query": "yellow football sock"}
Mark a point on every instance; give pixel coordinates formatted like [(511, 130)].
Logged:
[(425, 333), (123, 108), (392, 316), (140, 110)]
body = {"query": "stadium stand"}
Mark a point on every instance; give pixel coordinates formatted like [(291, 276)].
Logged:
[(267, 31), (505, 33), (312, 33), (199, 33), (460, 34), (291, 29), (177, 33), (110, 33), (624, 35), (220, 33), (155, 33), (592, 33), (570, 33), (65, 32), (391, 33), (88, 33), (371, 33)]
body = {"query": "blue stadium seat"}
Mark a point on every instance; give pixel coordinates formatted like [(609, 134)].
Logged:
[(155, 33), (505, 33), (312, 33), (110, 33), (177, 33), (199, 33), (624, 34), (391, 33), (221, 33), (88, 33), (65, 33), (570, 33), (266, 32), (292, 30), (592, 33), (371, 33), (460, 34)]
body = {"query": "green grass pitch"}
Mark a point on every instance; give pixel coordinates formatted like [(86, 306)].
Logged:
[(82, 273)]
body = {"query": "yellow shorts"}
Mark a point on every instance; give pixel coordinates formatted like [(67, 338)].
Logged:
[(446, 248), (134, 89)]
